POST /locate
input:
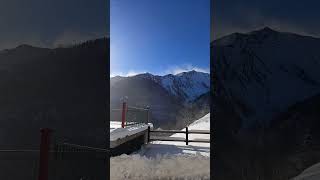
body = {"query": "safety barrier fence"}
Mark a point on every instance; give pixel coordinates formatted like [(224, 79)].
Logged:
[(187, 132)]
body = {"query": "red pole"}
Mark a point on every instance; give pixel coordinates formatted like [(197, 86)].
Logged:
[(124, 109), (44, 154)]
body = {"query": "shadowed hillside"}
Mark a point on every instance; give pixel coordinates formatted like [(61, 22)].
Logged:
[(63, 89), (266, 93)]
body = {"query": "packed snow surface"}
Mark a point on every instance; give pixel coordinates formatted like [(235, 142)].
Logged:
[(167, 160), (114, 125), (137, 167), (117, 132)]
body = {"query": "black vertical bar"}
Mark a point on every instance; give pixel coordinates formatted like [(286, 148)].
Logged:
[(148, 134), (187, 136), (148, 114)]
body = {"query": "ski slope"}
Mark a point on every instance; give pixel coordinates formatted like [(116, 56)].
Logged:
[(167, 160)]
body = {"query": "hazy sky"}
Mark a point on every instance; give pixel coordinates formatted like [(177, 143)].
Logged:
[(159, 36), (284, 15), (48, 23)]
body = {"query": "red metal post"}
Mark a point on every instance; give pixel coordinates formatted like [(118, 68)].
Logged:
[(44, 154), (124, 110)]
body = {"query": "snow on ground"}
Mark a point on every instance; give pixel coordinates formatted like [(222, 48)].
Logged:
[(167, 160), (117, 132), (114, 125), (137, 167), (311, 173)]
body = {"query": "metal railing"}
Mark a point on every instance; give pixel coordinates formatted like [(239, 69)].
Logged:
[(131, 116), (178, 139), (68, 160)]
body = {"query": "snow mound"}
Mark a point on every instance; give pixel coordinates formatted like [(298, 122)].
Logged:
[(136, 167)]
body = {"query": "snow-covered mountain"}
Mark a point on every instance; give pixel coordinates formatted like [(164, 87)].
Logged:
[(172, 98), (186, 86), (263, 72), (266, 101)]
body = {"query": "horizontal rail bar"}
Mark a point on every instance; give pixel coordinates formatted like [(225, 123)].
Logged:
[(200, 140), (85, 147), (179, 139), (199, 132), (180, 131), (19, 150), (168, 131), (137, 108)]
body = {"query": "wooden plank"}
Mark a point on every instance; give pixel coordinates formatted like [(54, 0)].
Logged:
[(165, 138), (199, 132)]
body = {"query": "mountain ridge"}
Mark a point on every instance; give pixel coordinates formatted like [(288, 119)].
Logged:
[(260, 65), (173, 99), (179, 85), (267, 87)]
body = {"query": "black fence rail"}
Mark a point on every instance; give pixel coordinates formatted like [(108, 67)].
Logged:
[(179, 139)]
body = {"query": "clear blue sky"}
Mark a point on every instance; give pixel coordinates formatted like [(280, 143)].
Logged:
[(159, 36)]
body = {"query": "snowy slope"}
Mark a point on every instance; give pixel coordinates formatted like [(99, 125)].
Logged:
[(264, 72), (312, 173), (189, 85)]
